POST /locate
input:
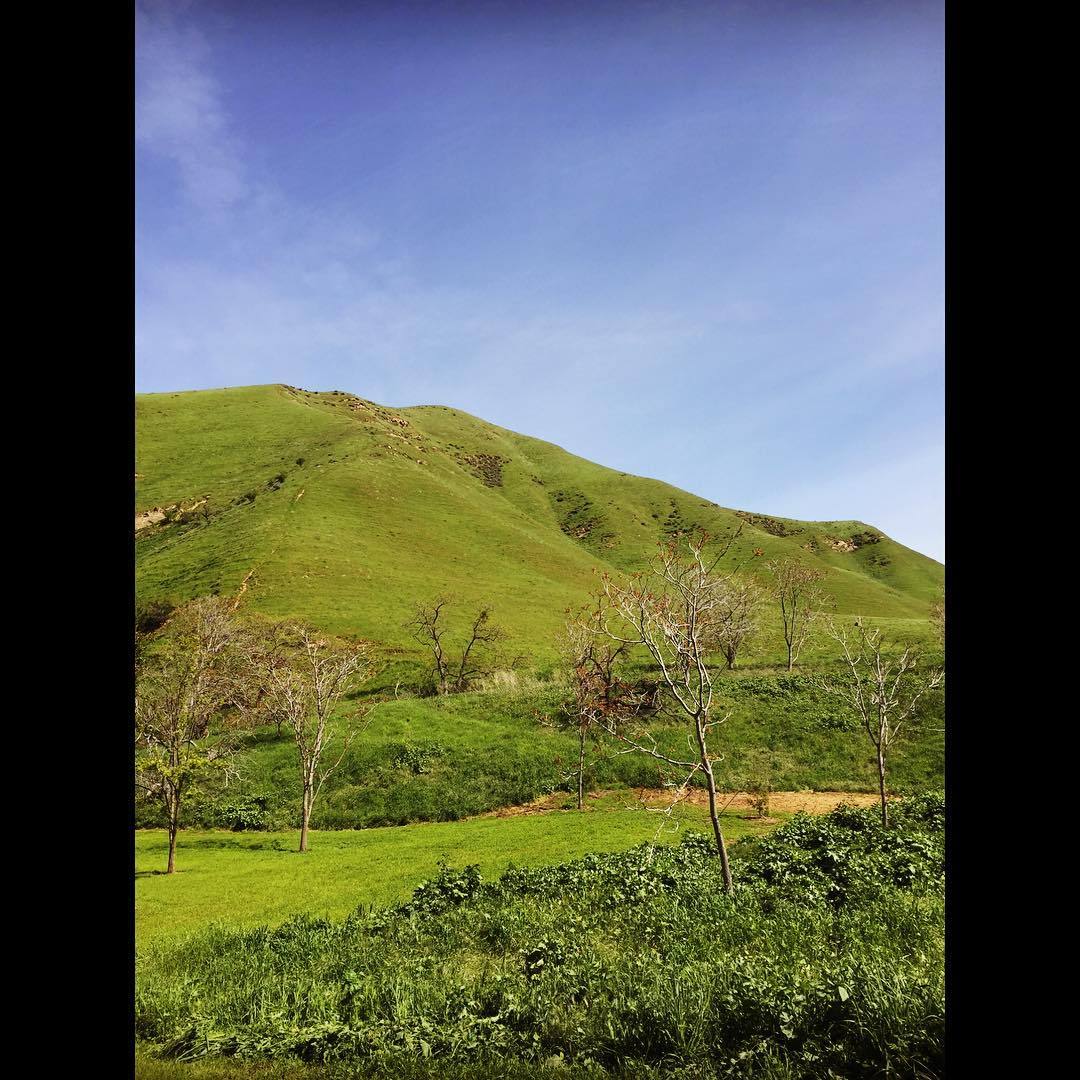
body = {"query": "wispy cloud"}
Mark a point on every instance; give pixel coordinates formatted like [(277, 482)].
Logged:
[(178, 109), (311, 305)]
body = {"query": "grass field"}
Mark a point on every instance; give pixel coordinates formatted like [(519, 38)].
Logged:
[(247, 879), (150, 1067)]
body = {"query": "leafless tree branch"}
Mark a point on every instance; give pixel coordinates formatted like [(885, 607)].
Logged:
[(192, 704), (306, 676), (882, 688), (795, 588), (679, 612)]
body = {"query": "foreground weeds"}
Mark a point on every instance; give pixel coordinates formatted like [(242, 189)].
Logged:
[(827, 961)]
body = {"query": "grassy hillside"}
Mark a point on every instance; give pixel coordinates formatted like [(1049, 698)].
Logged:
[(330, 508)]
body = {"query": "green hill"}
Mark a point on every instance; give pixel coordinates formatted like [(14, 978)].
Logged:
[(330, 508)]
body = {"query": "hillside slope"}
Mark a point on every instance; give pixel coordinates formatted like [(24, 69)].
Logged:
[(328, 507)]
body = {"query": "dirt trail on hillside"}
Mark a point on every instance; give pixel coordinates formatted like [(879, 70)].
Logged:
[(784, 802)]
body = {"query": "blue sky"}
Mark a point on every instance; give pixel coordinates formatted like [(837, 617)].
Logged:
[(702, 242)]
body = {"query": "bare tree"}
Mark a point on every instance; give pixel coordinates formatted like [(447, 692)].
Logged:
[(477, 652), (674, 611), (740, 602), (599, 699), (801, 602), (190, 678), (882, 689), (428, 627), (305, 679)]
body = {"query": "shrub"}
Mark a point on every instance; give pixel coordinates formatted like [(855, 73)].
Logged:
[(249, 812), (757, 780), (759, 790), (449, 888), (848, 855), (417, 759)]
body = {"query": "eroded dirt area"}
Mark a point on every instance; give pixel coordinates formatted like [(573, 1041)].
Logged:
[(784, 802)]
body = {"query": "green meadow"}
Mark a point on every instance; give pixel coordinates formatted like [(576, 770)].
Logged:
[(247, 879)]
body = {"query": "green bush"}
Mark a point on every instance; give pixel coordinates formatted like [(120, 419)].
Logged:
[(250, 812), (417, 759), (848, 854)]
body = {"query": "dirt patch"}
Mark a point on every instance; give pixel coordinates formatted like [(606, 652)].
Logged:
[(149, 517), (157, 514), (542, 805), (243, 588), (579, 519), (784, 802), (371, 409), (487, 468), (845, 545)]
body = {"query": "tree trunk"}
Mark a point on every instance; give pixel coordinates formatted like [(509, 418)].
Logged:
[(790, 658), (881, 788), (172, 805), (720, 846), (711, 783), (581, 769), (306, 819)]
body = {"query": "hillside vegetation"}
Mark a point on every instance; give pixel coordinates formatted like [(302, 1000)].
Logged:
[(446, 758), (338, 511)]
